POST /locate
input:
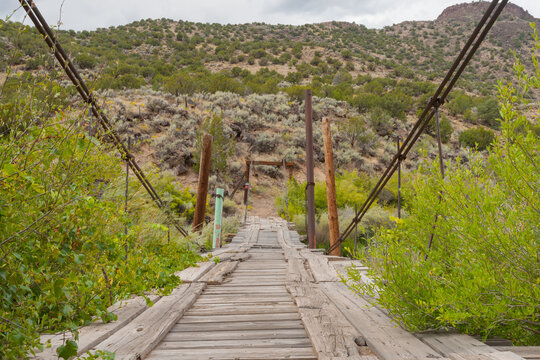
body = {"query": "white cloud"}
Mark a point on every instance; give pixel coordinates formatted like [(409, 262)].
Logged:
[(91, 14)]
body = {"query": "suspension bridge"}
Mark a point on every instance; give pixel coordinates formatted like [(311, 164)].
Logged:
[(266, 295)]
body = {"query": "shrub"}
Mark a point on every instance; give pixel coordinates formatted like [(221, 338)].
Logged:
[(445, 128), (480, 274), (381, 121), (85, 61), (478, 138), (488, 112), (222, 143)]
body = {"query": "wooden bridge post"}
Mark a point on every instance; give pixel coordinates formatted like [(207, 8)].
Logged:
[(202, 189), (333, 223), (310, 185)]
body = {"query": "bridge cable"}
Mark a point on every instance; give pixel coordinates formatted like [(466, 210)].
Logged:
[(41, 25), (452, 76)]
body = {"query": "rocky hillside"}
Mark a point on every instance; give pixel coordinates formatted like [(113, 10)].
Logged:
[(164, 82)]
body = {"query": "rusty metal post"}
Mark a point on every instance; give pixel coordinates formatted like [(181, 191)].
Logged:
[(333, 223), (399, 180), (202, 189), (310, 185)]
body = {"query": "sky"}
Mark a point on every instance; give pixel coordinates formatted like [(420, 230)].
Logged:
[(92, 14)]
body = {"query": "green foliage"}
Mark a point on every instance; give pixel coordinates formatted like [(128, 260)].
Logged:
[(445, 128), (380, 121), (478, 138), (178, 83), (460, 103), (351, 188), (481, 275), (62, 214), (352, 128), (488, 112), (85, 61), (222, 145)]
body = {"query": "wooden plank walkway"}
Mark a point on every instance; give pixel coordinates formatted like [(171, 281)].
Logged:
[(269, 297), (251, 315)]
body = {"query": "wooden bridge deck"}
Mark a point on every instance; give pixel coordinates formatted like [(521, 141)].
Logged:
[(269, 297)]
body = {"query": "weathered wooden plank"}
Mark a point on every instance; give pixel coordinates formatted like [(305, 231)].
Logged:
[(251, 284), (218, 273), (447, 343), (93, 334), (237, 354), (189, 319), (238, 334), (139, 337), (331, 334), (249, 292), (321, 270), (243, 310), (241, 325), (492, 356), (236, 343), (240, 300), (386, 339), (194, 273), (246, 290), (527, 352)]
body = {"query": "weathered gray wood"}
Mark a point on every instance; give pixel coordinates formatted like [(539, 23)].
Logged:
[(241, 325), (238, 334), (237, 354), (331, 334), (218, 273), (527, 352), (190, 319), (385, 338), (447, 343), (93, 334), (247, 290), (136, 340), (319, 267), (194, 273), (244, 310), (491, 356), (236, 343)]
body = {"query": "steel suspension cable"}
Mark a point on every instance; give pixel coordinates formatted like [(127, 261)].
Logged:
[(462, 60), (50, 39)]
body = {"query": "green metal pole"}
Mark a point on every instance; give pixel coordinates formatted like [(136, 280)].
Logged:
[(217, 218)]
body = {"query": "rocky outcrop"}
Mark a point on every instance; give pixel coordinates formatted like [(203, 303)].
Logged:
[(467, 11)]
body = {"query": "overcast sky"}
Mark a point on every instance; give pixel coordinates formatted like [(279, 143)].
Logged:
[(91, 14)]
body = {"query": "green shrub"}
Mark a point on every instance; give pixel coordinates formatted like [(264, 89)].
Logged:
[(488, 112), (381, 121), (85, 61), (480, 274), (222, 145), (445, 128), (478, 138), (62, 213)]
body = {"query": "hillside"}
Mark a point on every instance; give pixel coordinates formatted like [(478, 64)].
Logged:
[(162, 79)]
